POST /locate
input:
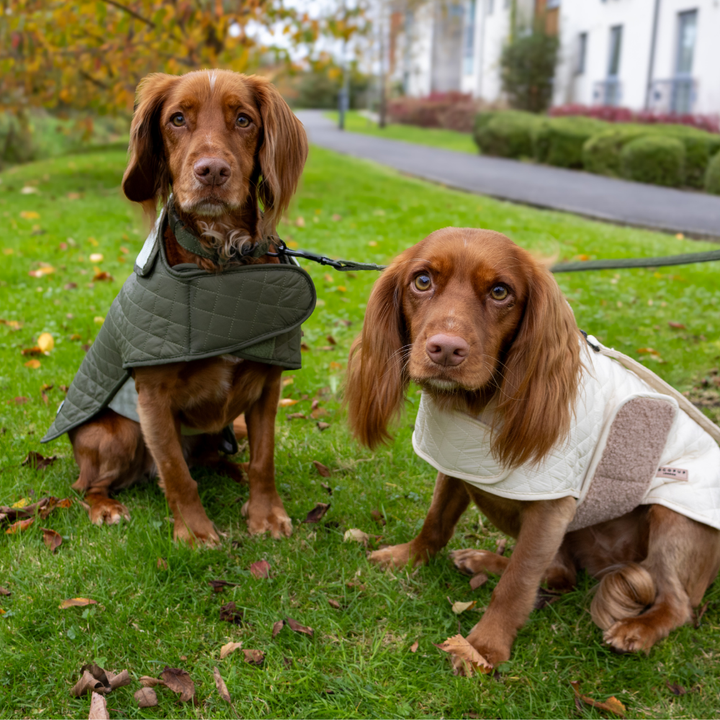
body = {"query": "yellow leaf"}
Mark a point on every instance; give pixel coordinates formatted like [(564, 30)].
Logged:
[(93, 241), (292, 244), (373, 243), (29, 215), (45, 342), (225, 650), (76, 602), (462, 649), (461, 607), (341, 288), (8, 251), (96, 258), (286, 402), (20, 503), (33, 364), (99, 319)]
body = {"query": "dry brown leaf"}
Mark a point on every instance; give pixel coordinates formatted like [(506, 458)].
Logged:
[(323, 470), (65, 503), (76, 602), (317, 513), (297, 627), (254, 657), (20, 526), (221, 686), (676, 325), (219, 585), (260, 569), (98, 708), (459, 647), (277, 627), (230, 647), (675, 689), (230, 613), (477, 580), (162, 564), (355, 535), (331, 340), (5, 592), (37, 461), (179, 681), (32, 364), (89, 683), (378, 517), (52, 539), (150, 682), (120, 680), (323, 426), (146, 697), (414, 646), (334, 603), (460, 607), (296, 416), (326, 488), (612, 704)]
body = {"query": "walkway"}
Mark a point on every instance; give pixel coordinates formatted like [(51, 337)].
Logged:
[(595, 196)]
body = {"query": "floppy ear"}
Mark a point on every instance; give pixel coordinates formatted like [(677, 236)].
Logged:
[(147, 177), (376, 379), (282, 152), (541, 377)]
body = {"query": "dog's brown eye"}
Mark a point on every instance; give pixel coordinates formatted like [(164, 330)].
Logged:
[(499, 292), (423, 282), (243, 121), (178, 119)]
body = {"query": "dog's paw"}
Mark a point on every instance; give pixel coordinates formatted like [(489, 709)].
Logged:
[(397, 556), (472, 562), (106, 511), (631, 635), (196, 536), (272, 518)]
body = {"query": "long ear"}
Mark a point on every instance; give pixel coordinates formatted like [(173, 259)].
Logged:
[(282, 153), (541, 377), (376, 380), (147, 176)]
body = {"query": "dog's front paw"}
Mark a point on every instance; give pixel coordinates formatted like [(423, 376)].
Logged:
[(471, 562), (397, 556), (631, 635), (193, 526), (267, 517), (106, 511)]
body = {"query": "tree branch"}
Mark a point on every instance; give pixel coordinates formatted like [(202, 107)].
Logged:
[(129, 11)]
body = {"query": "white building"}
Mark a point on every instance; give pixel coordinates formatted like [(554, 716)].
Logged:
[(661, 55)]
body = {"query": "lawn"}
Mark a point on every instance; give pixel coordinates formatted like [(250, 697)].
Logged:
[(155, 606), (434, 137)]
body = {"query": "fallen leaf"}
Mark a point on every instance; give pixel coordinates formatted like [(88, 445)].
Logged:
[(331, 340), (71, 286), (89, 683), (300, 222), (218, 585), (582, 258), (336, 217), (76, 602), (179, 681), (260, 569), (675, 689), (254, 657), (221, 686), (318, 413), (230, 613), (99, 319), (287, 402), (297, 627), (52, 539), (19, 400), (20, 526), (102, 276), (477, 580), (4, 591), (612, 704), (277, 627), (96, 257), (328, 278), (326, 488), (98, 708), (355, 535), (45, 342), (334, 603), (29, 215), (31, 351), (323, 470), (377, 516), (460, 607), (676, 325), (414, 646), (120, 680), (151, 682), (459, 647), (162, 564), (317, 513), (146, 697), (28, 190), (33, 364), (230, 647), (36, 461), (304, 347), (323, 426), (647, 351), (65, 503), (296, 416)]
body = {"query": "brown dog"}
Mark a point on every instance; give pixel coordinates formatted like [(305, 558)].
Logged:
[(483, 327), (224, 142)]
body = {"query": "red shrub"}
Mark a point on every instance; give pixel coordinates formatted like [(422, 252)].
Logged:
[(711, 123), (452, 110)]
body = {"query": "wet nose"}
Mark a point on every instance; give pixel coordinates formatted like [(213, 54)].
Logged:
[(211, 171), (446, 350)]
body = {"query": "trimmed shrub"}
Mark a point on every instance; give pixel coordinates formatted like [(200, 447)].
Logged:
[(654, 159), (601, 153), (712, 176), (559, 141), (506, 134)]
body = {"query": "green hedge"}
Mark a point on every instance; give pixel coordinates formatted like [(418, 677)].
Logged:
[(506, 133), (712, 176), (559, 141), (654, 159)]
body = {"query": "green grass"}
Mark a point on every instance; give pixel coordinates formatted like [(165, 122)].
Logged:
[(434, 137), (358, 664)]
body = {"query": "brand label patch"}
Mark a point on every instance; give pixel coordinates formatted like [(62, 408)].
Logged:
[(672, 473)]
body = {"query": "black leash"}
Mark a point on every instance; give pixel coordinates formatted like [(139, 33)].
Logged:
[(619, 264)]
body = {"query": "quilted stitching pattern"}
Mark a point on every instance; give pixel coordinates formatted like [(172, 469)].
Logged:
[(459, 445), (167, 316)]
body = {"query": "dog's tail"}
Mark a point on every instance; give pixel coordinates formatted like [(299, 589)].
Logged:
[(624, 592)]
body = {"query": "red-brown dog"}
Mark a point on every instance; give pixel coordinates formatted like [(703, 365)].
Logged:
[(224, 142)]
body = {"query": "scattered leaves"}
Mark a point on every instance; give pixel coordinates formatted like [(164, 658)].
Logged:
[(52, 539), (323, 470), (287, 402), (33, 364), (230, 647), (378, 517), (355, 535), (459, 647), (675, 689), (277, 627), (326, 488), (219, 585), (179, 682), (36, 461), (254, 657), (20, 526), (478, 580), (676, 325), (76, 602), (146, 697), (4, 591), (323, 426), (414, 646), (612, 704), (230, 613), (317, 513), (260, 569), (297, 627), (221, 686), (334, 604), (98, 708), (45, 342), (460, 607)]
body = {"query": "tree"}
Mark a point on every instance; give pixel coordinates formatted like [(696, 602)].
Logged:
[(528, 69)]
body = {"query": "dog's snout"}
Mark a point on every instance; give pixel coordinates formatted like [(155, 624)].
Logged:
[(211, 171), (447, 350)]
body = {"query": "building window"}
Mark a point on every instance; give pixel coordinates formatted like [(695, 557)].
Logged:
[(581, 53), (552, 4), (490, 6), (687, 32), (469, 45), (615, 48)]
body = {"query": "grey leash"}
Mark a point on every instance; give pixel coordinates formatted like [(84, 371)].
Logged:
[(619, 264)]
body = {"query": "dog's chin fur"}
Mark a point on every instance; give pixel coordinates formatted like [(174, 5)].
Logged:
[(225, 239)]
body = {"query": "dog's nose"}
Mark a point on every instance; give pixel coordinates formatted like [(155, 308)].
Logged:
[(446, 349), (211, 171)]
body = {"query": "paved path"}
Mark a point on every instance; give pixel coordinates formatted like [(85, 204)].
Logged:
[(595, 196)]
